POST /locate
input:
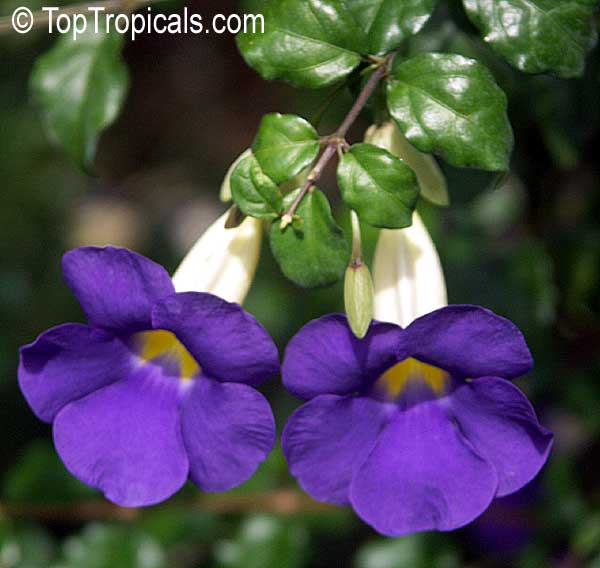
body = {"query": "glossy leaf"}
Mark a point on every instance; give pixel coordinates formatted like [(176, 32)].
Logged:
[(80, 87), (284, 145), (432, 181), (309, 43), (389, 22), (451, 105), (313, 252), (225, 192), (381, 188), (253, 191), (538, 36)]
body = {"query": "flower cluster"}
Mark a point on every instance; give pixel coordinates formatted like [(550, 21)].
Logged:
[(416, 425)]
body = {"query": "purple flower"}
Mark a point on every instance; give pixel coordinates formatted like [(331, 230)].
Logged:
[(157, 387), (416, 428)]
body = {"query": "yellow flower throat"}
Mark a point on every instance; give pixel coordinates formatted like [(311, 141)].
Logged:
[(164, 344), (396, 378)]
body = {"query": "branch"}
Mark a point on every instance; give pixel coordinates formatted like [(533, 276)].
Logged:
[(338, 135), (41, 18), (282, 502)]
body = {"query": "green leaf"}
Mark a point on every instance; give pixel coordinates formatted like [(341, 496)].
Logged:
[(315, 253), (284, 145), (225, 192), (254, 192), (381, 188), (80, 86), (309, 43), (538, 36), (451, 105), (387, 23), (431, 179)]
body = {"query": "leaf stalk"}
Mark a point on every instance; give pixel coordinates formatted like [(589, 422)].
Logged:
[(338, 138)]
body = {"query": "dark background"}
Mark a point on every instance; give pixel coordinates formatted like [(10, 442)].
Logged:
[(530, 250)]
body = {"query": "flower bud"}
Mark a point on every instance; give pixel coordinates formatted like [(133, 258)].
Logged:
[(358, 298), (407, 274), (225, 193), (223, 261), (431, 179)]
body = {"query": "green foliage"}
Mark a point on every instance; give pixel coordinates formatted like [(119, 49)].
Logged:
[(80, 86), (313, 252), (284, 145), (255, 193), (411, 551), (100, 546), (225, 191), (381, 188), (451, 105), (270, 473), (308, 43), (312, 44), (432, 182), (530, 250), (389, 22), (41, 477), (25, 546), (587, 538), (264, 542), (538, 36)]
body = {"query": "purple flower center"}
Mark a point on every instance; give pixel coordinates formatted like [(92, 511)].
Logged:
[(412, 372), (163, 347)]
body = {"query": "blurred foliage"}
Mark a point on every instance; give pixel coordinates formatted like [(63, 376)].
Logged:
[(264, 541), (40, 477), (413, 551), (103, 545), (528, 248)]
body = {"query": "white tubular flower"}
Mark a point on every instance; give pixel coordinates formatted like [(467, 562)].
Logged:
[(223, 261), (407, 274)]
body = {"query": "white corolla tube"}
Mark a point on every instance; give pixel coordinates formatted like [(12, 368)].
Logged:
[(222, 261), (407, 275)]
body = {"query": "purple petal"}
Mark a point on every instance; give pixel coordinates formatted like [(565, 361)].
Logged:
[(228, 430), (115, 287), (327, 439), (501, 424), (470, 341), (422, 475), (325, 357), (125, 439), (226, 341), (68, 362)]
